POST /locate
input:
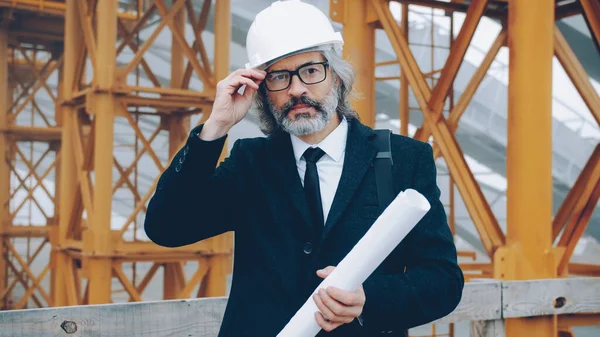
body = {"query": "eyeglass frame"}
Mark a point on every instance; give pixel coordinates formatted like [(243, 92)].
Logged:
[(292, 73)]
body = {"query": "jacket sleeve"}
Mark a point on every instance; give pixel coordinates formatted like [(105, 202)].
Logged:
[(431, 287), (192, 196)]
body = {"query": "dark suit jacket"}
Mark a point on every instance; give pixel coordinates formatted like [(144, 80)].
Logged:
[(257, 193)]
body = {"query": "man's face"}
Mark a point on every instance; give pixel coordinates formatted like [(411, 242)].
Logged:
[(302, 108)]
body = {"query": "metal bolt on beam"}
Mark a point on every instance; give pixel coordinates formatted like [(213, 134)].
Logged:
[(69, 327)]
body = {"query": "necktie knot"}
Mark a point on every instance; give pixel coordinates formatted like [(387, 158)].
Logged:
[(312, 155)]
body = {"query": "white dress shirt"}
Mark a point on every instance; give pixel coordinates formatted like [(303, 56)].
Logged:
[(329, 166)]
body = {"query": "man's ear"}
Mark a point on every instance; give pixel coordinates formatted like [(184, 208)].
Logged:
[(336, 81)]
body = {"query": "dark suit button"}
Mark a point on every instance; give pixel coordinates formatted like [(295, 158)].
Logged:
[(178, 167), (308, 248), (181, 159), (186, 149)]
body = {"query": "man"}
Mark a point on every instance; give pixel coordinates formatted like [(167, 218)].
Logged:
[(302, 197)]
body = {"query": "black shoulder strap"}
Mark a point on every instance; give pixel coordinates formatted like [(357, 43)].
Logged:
[(383, 172), (383, 168)]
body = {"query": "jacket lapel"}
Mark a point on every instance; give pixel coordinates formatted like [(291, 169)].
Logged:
[(359, 156), (284, 167)]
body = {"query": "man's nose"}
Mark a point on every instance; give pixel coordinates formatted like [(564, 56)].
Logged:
[(297, 87)]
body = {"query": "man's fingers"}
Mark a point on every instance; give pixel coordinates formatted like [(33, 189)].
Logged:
[(249, 77), (323, 308), (340, 312), (248, 73), (239, 81), (336, 312), (330, 303), (323, 273), (350, 298), (325, 325), (233, 85), (248, 93), (330, 313)]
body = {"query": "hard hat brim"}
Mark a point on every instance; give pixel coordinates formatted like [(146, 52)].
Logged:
[(335, 44)]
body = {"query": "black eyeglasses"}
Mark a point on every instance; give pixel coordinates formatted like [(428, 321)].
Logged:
[(312, 73)]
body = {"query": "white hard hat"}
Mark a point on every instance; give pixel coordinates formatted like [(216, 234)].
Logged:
[(285, 27)]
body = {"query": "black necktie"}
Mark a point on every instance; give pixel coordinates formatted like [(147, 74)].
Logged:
[(312, 188)]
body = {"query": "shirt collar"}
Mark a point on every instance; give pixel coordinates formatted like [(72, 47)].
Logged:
[(333, 145)]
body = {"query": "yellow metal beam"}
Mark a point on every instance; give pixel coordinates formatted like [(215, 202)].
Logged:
[(178, 126), (404, 97), (571, 320), (4, 150), (51, 7), (47, 7), (172, 285), (487, 225), (471, 88), (220, 266), (18, 278), (567, 10), (34, 133), (529, 151), (457, 52), (125, 35), (455, 6), (586, 176), (29, 274), (54, 64), (167, 16), (88, 130), (577, 74), (168, 105), (16, 75), (582, 212), (35, 285), (198, 27), (35, 167), (480, 267), (359, 49), (84, 117), (591, 11), (26, 231), (529, 253), (99, 240), (38, 29), (147, 247), (147, 278), (68, 170), (198, 276), (129, 287), (141, 22), (85, 18), (476, 80), (582, 269)]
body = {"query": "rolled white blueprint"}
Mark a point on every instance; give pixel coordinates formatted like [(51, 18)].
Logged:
[(392, 226)]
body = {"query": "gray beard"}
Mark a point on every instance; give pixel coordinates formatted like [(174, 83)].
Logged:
[(303, 124)]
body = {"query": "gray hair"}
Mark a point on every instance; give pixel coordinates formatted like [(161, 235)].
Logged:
[(341, 70)]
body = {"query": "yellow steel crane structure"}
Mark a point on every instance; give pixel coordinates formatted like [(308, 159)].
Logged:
[(526, 250), (79, 138), (78, 42)]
